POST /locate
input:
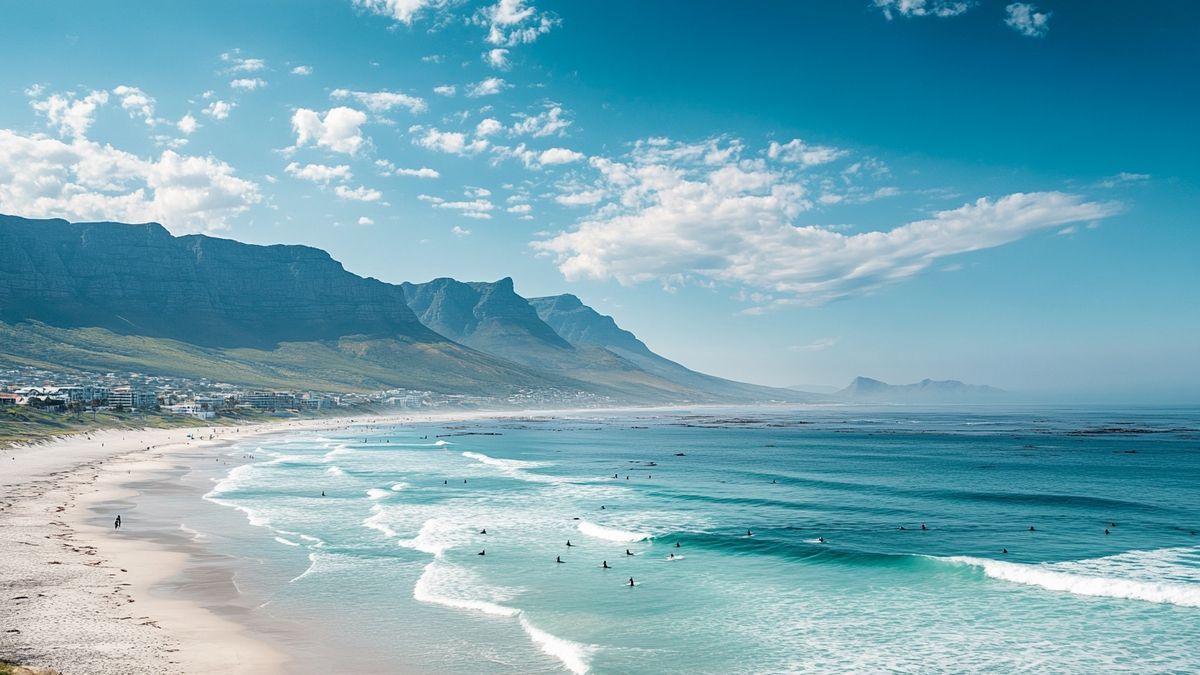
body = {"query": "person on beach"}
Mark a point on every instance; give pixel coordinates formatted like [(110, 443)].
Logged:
[(117, 522)]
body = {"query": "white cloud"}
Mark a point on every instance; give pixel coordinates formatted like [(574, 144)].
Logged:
[(70, 115), (475, 208), (1026, 20), (1123, 178), (423, 172), (497, 58), (84, 180), (519, 208), (582, 198), (403, 11), (360, 193), (239, 64), (940, 8), (487, 127), (136, 102), (382, 101), (452, 142), (559, 156), (549, 122), (672, 213), (797, 151), (445, 90), (219, 110), (187, 124), (319, 173), (338, 130), (513, 22), (460, 231), (363, 220), (248, 83), (302, 70), (487, 87), (814, 346)]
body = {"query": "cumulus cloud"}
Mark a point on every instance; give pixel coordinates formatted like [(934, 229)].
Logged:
[(302, 70), (549, 122), (339, 129), (319, 173), (452, 142), (136, 102), (487, 127), (363, 220), (445, 90), (514, 22), (487, 87), (477, 208), (382, 101), (403, 11), (1026, 20), (386, 168), (219, 110), (239, 64), (459, 231), (940, 8), (71, 115), (673, 211), (248, 83), (187, 124), (359, 194), (85, 180), (797, 151), (559, 156), (497, 58)]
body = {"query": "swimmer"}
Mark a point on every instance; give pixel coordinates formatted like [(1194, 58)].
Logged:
[(923, 526), (1032, 528), (1106, 531)]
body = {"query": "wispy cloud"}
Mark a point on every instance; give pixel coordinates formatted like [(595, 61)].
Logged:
[(1027, 20), (814, 346)]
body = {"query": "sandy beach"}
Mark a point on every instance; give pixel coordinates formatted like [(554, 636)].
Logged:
[(80, 596)]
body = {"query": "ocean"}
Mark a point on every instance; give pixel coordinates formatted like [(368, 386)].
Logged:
[(759, 540)]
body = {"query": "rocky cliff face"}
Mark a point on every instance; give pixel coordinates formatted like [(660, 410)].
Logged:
[(487, 316), (139, 279)]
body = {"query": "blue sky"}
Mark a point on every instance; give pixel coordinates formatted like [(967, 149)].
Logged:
[(781, 192)]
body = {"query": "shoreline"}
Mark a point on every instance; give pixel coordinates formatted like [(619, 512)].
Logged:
[(81, 597)]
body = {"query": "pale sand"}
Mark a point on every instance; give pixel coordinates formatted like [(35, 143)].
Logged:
[(77, 596)]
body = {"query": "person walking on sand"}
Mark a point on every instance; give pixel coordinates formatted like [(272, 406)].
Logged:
[(117, 522)]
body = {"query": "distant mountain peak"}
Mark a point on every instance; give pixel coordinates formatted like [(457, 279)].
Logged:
[(927, 390)]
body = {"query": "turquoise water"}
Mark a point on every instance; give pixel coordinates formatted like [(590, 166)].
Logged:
[(385, 567)]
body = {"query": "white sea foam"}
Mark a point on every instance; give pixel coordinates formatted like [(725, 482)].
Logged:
[(378, 520), (1168, 576), (335, 471), (338, 451), (610, 533), (396, 487), (286, 542), (312, 565), (442, 443), (515, 468), (437, 536), (457, 587), (575, 656), (378, 493)]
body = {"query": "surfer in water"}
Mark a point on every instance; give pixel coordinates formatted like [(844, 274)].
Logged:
[(631, 581), (1004, 550), (483, 531), (671, 557), (569, 544), (483, 552), (1106, 531), (604, 565), (628, 552), (749, 533), (1032, 528), (558, 559), (676, 544), (820, 540), (923, 526)]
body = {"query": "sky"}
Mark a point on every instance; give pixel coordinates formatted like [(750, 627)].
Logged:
[(1005, 193)]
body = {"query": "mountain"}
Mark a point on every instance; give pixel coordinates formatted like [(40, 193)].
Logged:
[(584, 327), (117, 297), (925, 391), (494, 319), (102, 296)]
